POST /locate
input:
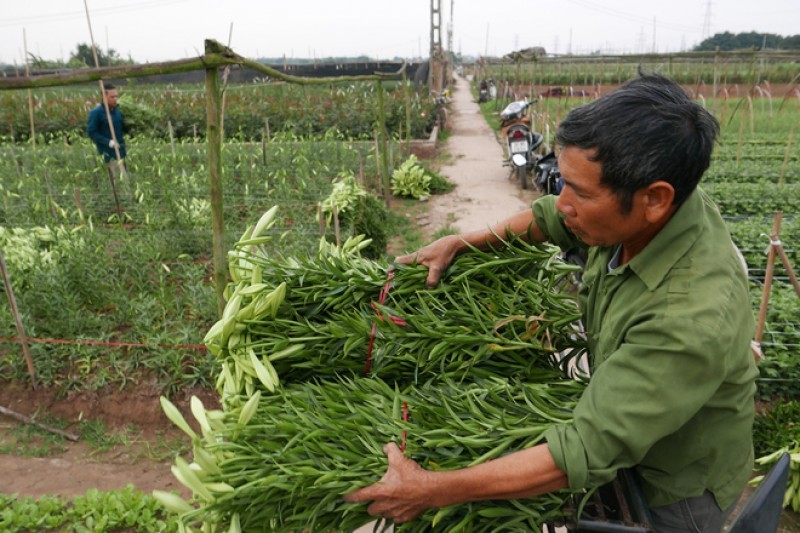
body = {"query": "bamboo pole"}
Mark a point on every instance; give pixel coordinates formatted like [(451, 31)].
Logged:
[(171, 137), (336, 230), (321, 220), (225, 74), (407, 104), (741, 134), (111, 129), (215, 178), (384, 161), (768, 277), (50, 201), (788, 266), (28, 420), (12, 302), (30, 94), (786, 157)]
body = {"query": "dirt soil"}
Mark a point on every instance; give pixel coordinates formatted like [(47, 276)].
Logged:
[(484, 194)]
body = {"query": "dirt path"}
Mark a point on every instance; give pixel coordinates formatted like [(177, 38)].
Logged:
[(484, 195)]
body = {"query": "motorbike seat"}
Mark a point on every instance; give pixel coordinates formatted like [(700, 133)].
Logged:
[(538, 139)]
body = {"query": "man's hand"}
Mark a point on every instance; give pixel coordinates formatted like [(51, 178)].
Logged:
[(111, 143), (437, 256), (403, 493)]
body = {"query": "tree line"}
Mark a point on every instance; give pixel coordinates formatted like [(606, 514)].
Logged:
[(727, 41)]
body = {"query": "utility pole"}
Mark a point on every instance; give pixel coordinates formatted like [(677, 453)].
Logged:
[(450, 30), (654, 35), (707, 21), (435, 72)]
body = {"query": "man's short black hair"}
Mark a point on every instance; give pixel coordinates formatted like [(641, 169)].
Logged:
[(645, 131), (108, 87)]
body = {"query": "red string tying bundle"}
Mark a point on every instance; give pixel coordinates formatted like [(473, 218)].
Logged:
[(405, 433), (399, 321)]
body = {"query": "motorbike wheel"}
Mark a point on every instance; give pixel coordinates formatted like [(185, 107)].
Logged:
[(522, 176)]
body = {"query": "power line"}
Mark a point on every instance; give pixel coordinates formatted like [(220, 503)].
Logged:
[(631, 17), (67, 15)]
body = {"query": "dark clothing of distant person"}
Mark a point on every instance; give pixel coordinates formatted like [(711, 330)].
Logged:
[(100, 133)]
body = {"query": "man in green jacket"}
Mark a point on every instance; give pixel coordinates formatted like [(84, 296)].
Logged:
[(667, 313)]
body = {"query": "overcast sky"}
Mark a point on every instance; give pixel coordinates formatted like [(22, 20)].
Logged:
[(160, 30)]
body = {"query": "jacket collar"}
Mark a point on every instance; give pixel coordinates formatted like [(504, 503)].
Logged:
[(671, 243)]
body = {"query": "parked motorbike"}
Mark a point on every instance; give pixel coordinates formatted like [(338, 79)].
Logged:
[(548, 180), (546, 176), (521, 141), (483, 95)]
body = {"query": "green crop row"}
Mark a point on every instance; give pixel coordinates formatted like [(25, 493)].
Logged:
[(80, 276), (695, 70), (251, 111)]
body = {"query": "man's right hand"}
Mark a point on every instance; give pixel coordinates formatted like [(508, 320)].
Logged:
[(437, 256), (111, 143)]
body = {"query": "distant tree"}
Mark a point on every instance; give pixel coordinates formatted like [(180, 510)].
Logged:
[(83, 57), (727, 41)]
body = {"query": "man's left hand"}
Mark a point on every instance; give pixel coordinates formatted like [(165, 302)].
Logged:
[(402, 494)]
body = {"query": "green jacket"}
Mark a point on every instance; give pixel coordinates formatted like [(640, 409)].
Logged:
[(673, 377)]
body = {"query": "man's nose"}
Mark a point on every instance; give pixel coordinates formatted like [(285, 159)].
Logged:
[(563, 204)]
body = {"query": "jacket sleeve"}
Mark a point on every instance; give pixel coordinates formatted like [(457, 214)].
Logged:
[(663, 374), (93, 128)]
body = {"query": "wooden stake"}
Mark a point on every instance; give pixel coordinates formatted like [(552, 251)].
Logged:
[(214, 139), (171, 137), (786, 156), (741, 133), (762, 310), (12, 302), (321, 219), (76, 192), (50, 201), (113, 133), (336, 232), (30, 93), (28, 420)]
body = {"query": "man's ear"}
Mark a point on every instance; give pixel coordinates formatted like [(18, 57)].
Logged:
[(658, 197)]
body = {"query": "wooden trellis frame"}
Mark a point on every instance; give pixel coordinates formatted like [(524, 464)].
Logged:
[(216, 56), (775, 250)]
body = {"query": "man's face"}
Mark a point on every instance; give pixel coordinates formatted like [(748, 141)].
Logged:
[(111, 98), (591, 210)]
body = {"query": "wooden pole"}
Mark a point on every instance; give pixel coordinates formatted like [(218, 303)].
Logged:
[(788, 266), (216, 56), (762, 310), (321, 219), (28, 420), (741, 134), (407, 103), (30, 93), (171, 137), (111, 129), (50, 201), (786, 157), (384, 162), (214, 136), (336, 231), (225, 74), (12, 302)]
